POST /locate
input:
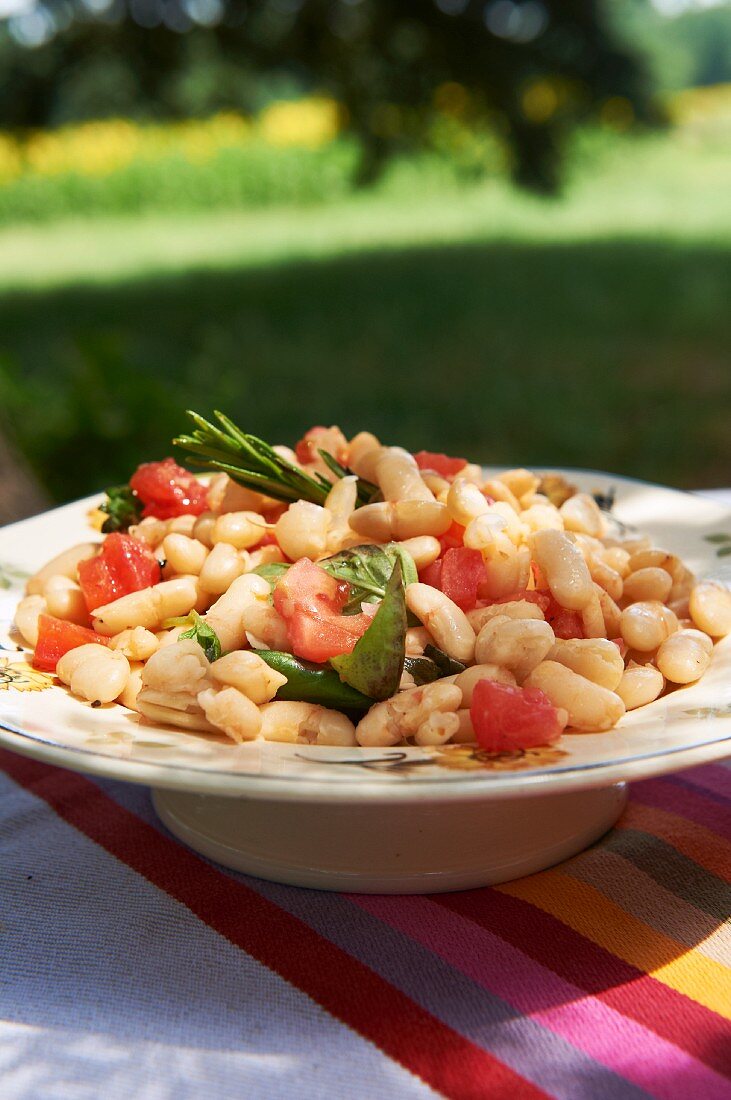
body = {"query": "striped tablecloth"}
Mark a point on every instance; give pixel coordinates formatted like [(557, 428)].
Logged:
[(132, 968)]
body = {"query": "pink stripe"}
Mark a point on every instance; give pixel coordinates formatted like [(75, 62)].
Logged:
[(687, 801), (714, 777), (623, 1046)]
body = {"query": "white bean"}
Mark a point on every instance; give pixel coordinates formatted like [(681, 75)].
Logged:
[(520, 481), (399, 520), (650, 583), (247, 672), (437, 728), (231, 711), (581, 513), (640, 684), (221, 568), (446, 622), (399, 477), (465, 501), (513, 609), (684, 656), (137, 644), (26, 617), (128, 696), (564, 568), (400, 717), (64, 564), (203, 530), (65, 600), (363, 453), (506, 573), (226, 615), (516, 644), (179, 667), (710, 608), (148, 607), (240, 529), (183, 554), (302, 530), (645, 625), (424, 549), (94, 672), (467, 680), (592, 618), (305, 723), (589, 706), (597, 659)]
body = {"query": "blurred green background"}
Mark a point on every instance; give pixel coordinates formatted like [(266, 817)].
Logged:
[(226, 253)]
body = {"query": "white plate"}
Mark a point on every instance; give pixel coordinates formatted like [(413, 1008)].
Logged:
[(689, 726)]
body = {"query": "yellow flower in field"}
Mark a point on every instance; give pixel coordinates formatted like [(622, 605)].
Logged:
[(305, 122), (90, 149)]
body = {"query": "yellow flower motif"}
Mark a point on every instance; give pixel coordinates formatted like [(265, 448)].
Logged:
[(471, 758), (19, 676)]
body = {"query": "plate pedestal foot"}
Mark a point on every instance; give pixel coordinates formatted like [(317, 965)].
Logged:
[(391, 848)]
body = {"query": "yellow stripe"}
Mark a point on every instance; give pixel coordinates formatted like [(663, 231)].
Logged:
[(590, 913)]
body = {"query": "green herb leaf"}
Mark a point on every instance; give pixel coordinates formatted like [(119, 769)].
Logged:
[(432, 666), (367, 491), (717, 538), (377, 661), (272, 571), (122, 507), (447, 665), (723, 552), (367, 570), (311, 683), (204, 635)]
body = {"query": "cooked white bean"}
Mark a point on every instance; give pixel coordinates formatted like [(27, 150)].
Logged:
[(240, 529), (179, 667), (467, 680), (305, 723), (506, 573), (417, 639), (542, 517), (363, 453), (403, 519), (513, 609), (465, 734), (516, 644), (247, 672), (447, 623), (617, 559), (226, 617), (520, 481), (465, 501), (203, 529), (564, 568), (226, 495), (399, 477), (150, 530), (128, 696), (640, 685), (264, 626), (94, 672), (424, 550), (302, 530), (137, 644), (592, 618), (710, 608), (581, 513), (611, 613), (65, 564), (65, 600), (606, 577), (649, 583), (645, 625), (499, 491), (437, 729), (589, 706), (232, 712), (263, 555), (483, 532), (221, 568), (393, 720), (597, 659), (148, 607), (26, 617), (341, 500), (183, 554), (684, 656)]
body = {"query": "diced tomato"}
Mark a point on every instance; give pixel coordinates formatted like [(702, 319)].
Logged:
[(124, 565), (564, 623), (543, 599), (508, 718), (432, 574), (56, 637), (311, 601), (318, 439), (453, 537), (168, 490), (462, 571), (439, 463)]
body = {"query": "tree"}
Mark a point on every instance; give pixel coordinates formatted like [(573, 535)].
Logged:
[(531, 69)]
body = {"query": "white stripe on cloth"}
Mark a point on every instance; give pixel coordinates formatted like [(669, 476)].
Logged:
[(109, 987)]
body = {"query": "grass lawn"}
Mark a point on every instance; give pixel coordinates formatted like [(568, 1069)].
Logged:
[(594, 331)]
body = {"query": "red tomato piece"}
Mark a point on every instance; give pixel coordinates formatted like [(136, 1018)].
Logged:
[(543, 599), (319, 439), (310, 601), (432, 574), (168, 490), (439, 463), (565, 624), (56, 637), (507, 718), (124, 565), (462, 571), (453, 537)]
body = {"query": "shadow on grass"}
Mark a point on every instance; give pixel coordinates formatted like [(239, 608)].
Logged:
[(608, 354)]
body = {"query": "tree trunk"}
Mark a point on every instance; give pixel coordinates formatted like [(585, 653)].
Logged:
[(21, 494)]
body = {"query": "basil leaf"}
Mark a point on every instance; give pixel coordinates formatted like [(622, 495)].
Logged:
[(433, 665), (122, 507), (377, 661), (272, 571), (311, 683), (204, 635), (367, 569)]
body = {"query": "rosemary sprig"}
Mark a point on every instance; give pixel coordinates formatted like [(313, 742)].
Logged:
[(253, 463)]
